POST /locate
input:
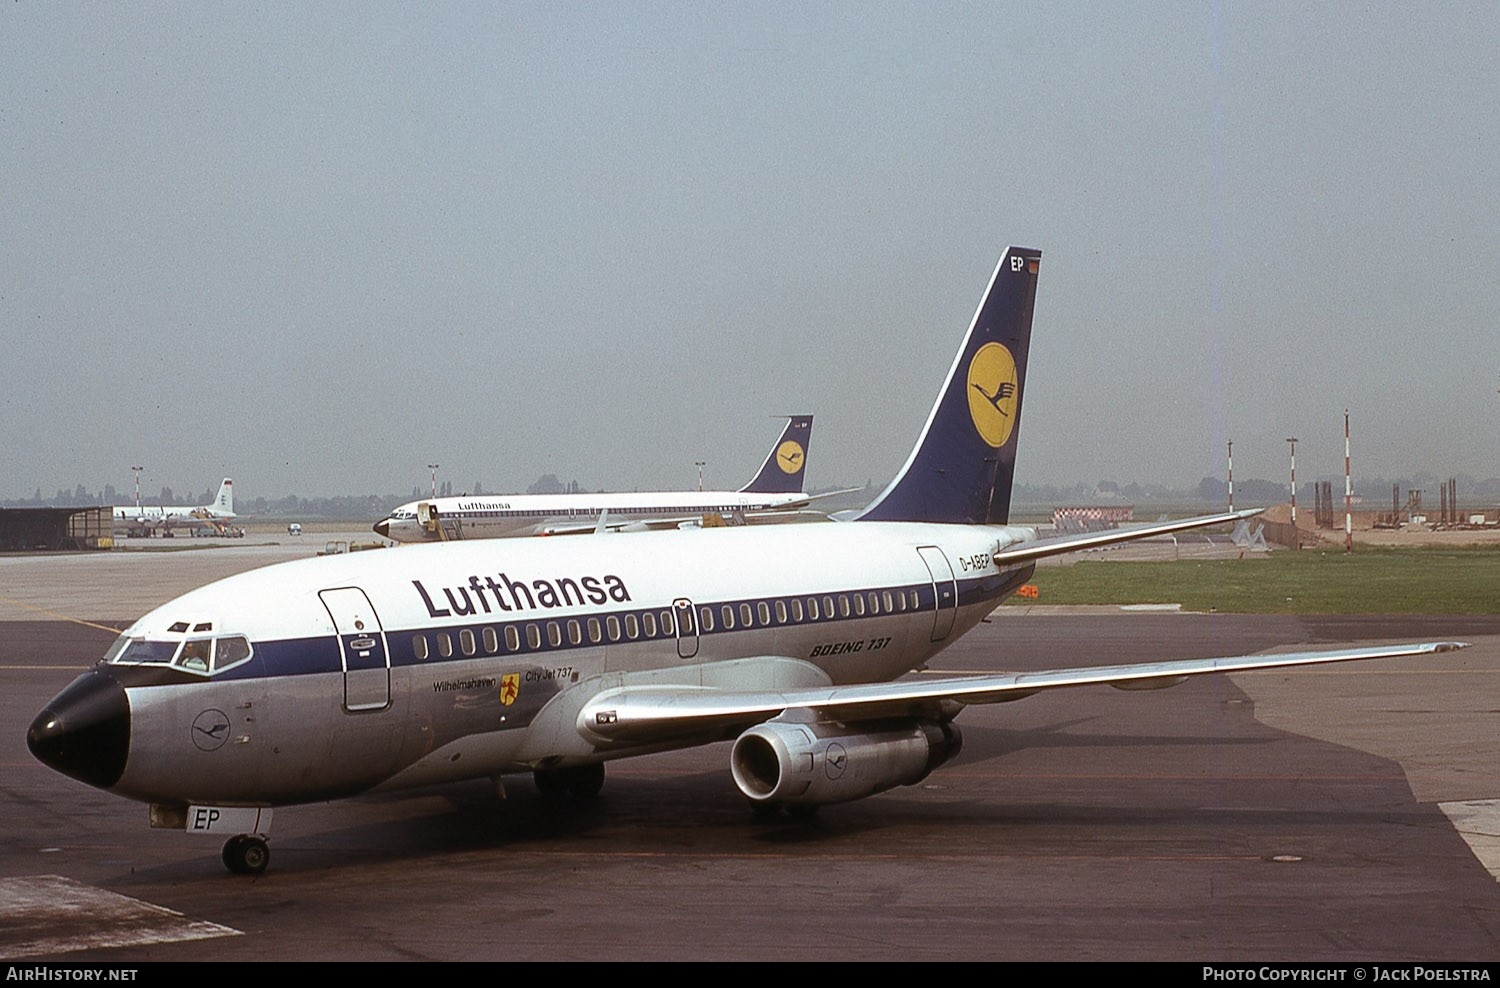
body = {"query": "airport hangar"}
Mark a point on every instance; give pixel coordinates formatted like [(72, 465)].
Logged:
[(56, 528)]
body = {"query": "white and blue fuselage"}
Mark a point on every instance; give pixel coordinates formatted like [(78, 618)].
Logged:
[(460, 661)]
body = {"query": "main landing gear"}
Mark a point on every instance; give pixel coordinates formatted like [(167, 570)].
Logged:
[(582, 781), (246, 854)]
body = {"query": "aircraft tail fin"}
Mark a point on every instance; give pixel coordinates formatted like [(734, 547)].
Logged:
[(786, 465), (224, 502), (963, 465)]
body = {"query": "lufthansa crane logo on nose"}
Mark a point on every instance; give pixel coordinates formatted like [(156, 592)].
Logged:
[(993, 393), (789, 456), (210, 730)]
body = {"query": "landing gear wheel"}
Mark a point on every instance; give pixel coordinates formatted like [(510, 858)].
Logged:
[(246, 854), (764, 812), (586, 781), (581, 782), (550, 781)]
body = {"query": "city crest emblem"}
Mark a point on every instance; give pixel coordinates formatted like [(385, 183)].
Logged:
[(510, 688)]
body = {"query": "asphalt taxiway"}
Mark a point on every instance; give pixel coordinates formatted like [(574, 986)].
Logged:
[(1338, 813)]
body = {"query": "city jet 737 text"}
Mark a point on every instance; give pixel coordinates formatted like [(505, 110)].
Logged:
[(323, 678), (773, 496)]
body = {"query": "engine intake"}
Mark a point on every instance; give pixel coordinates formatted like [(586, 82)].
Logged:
[(798, 759)]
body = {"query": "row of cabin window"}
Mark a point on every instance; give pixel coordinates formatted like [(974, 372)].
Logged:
[(824, 608), (633, 628)]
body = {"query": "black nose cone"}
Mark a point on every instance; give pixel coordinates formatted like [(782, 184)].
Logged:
[(85, 731)]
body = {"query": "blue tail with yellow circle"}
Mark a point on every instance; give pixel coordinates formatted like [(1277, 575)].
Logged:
[(786, 465), (963, 466)]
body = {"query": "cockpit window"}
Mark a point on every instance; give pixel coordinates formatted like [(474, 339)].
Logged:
[(141, 651), (196, 655), (231, 652), (120, 645), (200, 655)]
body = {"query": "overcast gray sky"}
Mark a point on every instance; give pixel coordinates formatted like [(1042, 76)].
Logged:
[(319, 246)]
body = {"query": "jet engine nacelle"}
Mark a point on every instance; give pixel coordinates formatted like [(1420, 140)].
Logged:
[(787, 760)]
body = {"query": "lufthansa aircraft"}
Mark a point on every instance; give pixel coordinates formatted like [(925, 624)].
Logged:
[(774, 495), (145, 519), (322, 678)]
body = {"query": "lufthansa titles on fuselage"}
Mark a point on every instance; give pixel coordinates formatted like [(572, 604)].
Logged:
[(500, 592)]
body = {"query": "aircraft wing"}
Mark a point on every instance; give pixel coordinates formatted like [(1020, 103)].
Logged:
[(656, 713), (1060, 544)]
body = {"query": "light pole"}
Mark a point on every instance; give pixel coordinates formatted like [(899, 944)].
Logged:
[(138, 486), (434, 468), (1293, 441), (1231, 476), (700, 465), (1348, 492)]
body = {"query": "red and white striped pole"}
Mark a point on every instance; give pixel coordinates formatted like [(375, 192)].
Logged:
[(1293, 441), (1231, 476), (1348, 492)]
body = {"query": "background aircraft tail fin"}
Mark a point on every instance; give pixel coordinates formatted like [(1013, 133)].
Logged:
[(224, 503), (786, 465), (963, 465)]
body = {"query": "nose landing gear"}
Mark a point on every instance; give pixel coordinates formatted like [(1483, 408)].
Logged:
[(246, 854)]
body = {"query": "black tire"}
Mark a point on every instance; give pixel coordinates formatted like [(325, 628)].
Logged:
[(550, 781), (765, 812), (230, 854), (586, 781), (247, 854)]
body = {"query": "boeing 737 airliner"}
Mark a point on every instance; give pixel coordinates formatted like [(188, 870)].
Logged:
[(312, 680), (775, 495)]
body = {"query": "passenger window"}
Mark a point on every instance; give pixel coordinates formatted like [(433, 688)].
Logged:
[(859, 604), (445, 644), (419, 646), (797, 609), (512, 638), (828, 607), (533, 636), (764, 610), (745, 617), (706, 619), (466, 641), (666, 622), (812, 608), (843, 605), (575, 631), (781, 612), (648, 624), (491, 641), (727, 613), (612, 627), (632, 627), (890, 605), (596, 631)]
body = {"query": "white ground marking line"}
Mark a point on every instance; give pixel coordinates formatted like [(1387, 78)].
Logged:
[(50, 914), (1478, 822)]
